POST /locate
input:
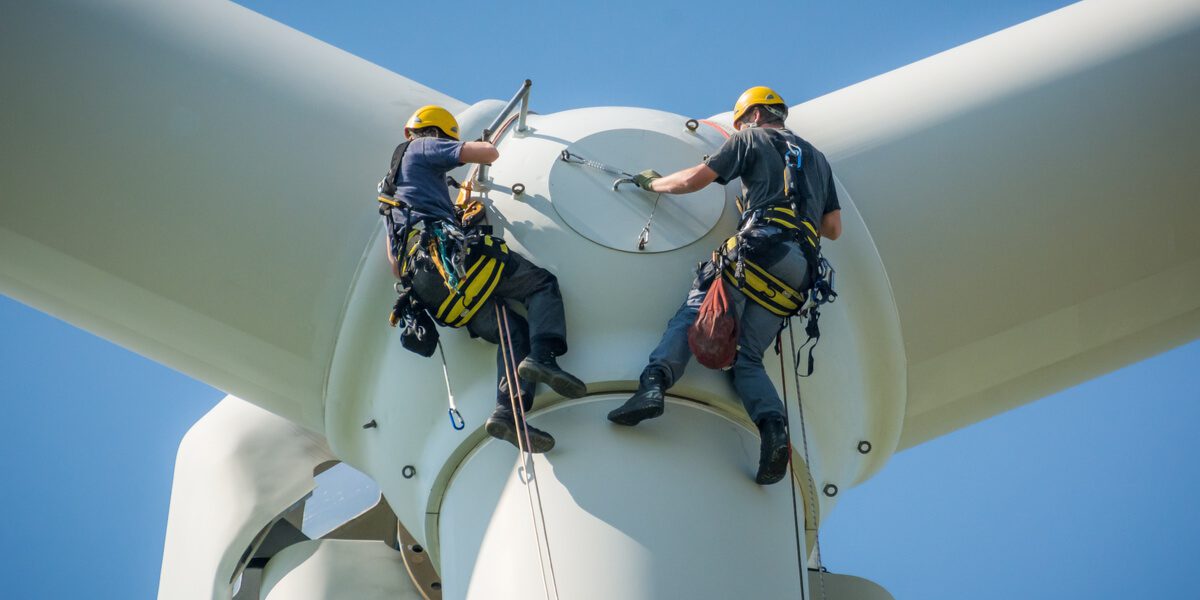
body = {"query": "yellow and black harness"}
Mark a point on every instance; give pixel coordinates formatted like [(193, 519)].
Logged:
[(735, 263), (448, 271), (756, 282), (467, 265)]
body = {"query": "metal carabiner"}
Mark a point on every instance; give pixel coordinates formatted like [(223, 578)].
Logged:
[(617, 183), (456, 419)]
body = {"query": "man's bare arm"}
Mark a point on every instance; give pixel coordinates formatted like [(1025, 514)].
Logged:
[(392, 258), (831, 225), (686, 181), (478, 152)]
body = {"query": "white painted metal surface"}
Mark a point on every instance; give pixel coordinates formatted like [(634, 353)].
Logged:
[(644, 513), (1019, 217), (616, 302), (584, 199), (1033, 197), (183, 179), (326, 569), (239, 468), (838, 586)]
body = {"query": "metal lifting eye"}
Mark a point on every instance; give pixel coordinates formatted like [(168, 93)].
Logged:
[(692, 124), (518, 189)]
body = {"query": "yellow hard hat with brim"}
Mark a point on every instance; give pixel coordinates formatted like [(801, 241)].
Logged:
[(759, 94), (433, 115)]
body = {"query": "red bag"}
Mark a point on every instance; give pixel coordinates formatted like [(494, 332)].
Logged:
[(713, 336)]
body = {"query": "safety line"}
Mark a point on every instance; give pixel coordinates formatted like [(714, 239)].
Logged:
[(800, 562), (644, 236), (456, 418), (527, 464), (812, 486), (537, 484)]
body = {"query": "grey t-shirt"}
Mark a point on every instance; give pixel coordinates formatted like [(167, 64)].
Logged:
[(752, 155)]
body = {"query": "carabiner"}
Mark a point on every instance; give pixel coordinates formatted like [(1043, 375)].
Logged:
[(617, 183), (456, 419)]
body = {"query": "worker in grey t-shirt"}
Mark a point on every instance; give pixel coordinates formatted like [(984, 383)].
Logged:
[(755, 154)]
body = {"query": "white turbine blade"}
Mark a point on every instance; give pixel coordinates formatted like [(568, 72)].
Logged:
[(1033, 196), (238, 469), (194, 182)]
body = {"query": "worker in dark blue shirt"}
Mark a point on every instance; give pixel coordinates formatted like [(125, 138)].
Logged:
[(440, 275)]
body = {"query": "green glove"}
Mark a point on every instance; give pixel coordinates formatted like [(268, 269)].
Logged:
[(645, 178)]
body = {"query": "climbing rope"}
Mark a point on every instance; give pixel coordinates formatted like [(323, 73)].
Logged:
[(787, 428), (456, 418), (537, 514), (812, 487)]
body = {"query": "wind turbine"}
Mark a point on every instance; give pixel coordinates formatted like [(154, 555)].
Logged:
[(246, 131)]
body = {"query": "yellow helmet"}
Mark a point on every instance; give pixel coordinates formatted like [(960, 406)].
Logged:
[(759, 94), (433, 115)]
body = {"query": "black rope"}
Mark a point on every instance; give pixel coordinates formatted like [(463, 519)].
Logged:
[(812, 488), (787, 428)]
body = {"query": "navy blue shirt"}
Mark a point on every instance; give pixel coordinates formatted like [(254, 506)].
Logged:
[(421, 178)]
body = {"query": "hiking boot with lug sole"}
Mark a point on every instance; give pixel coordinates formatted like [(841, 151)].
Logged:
[(775, 451), (547, 371), (646, 403), (505, 429)]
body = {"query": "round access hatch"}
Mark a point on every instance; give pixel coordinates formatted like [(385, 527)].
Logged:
[(584, 198)]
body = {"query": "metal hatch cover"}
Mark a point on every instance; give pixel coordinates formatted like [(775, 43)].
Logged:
[(584, 198)]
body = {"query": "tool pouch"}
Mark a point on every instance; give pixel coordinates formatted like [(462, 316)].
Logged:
[(713, 336)]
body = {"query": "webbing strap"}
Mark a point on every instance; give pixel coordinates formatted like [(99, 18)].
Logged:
[(785, 217), (766, 290), (473, 290), (759, 285)]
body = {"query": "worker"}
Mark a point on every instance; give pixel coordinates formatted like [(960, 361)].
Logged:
[(417, 182), (785, 246)]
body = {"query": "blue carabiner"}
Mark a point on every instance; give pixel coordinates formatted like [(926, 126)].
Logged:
[(456, 419)]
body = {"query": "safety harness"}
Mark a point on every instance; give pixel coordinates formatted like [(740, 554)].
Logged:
[(469, 261), (756, 282)]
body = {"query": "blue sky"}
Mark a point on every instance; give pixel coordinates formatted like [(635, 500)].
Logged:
[(1085, 494)]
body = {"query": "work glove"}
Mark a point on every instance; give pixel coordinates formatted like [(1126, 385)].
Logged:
[(645, 178)]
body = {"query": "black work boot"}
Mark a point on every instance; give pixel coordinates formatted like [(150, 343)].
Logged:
[(540, 367), (503, 426), (646, 403), (775, 450)]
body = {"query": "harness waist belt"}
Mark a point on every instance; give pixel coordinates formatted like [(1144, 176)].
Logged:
[(760, 286)]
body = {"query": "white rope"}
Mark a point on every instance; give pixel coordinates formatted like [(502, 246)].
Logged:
[(812, 486), (526, 463)]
